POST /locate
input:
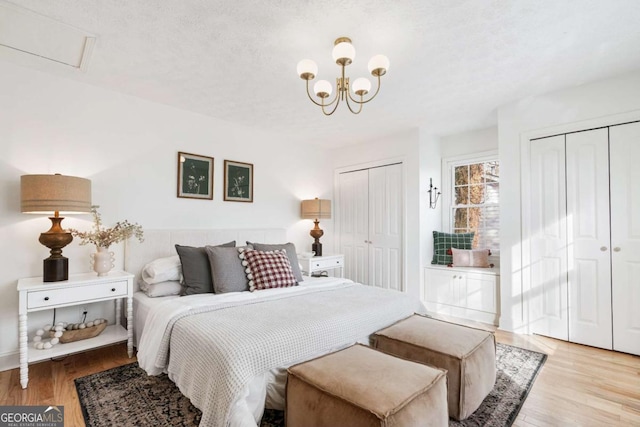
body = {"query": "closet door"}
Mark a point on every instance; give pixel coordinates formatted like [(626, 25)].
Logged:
[(625, 236), (548, 239), (385, 227), (353, 222), (588, 238)]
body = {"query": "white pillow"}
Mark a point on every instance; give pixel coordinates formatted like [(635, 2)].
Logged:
[(161, 289), (471, 257), (162, 270)]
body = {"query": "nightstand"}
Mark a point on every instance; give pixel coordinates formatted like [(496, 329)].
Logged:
[(322, 263), (85, 288)]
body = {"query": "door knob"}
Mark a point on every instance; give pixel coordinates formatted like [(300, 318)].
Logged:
[(603, 248), (616, 249)]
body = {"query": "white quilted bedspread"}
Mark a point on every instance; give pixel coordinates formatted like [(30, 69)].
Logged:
[(212, 347)]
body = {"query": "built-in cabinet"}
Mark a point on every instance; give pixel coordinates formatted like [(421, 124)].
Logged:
[(470, 293), (369, 218), (584, 246)]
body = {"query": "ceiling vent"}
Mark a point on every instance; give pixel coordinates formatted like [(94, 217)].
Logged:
[(25, 33)]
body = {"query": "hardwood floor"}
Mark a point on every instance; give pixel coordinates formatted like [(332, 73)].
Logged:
[(578, 385)]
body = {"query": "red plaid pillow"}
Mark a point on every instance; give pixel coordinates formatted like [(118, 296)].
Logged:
[(266, 270)]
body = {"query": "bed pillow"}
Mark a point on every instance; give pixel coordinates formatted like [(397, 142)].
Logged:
[(471, 258), (196, 270), (161, 289), (227, 272), (291, 254), (442, 242), (162, 270), (267, 269)]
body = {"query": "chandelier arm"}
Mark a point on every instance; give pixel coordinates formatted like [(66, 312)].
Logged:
[(373, 96), (349, 105), (310, 98), (327, 105)]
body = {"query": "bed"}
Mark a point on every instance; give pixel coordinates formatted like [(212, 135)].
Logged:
[(228, 353)]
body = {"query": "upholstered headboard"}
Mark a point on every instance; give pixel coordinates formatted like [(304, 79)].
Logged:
[(161, 243)]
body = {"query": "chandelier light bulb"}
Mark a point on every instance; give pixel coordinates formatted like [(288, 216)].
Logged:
[(307, 69), (343, 52), (361, 86), (323, 89), (378, 65)]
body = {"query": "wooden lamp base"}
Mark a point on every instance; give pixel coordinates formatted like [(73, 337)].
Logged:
[(316, 233), (56, 267)]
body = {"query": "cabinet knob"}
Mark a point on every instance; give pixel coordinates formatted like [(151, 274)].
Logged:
[(113, 289), (617, 249), (603, 248), (454, 276), (46, 298)]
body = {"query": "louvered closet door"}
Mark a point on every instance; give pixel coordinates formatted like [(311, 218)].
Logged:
[(353, 223), (548, 242), (625, 236), (588, 238), (385, 227)]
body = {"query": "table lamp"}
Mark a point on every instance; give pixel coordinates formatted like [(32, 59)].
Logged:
[(55, 194), (316, 209)]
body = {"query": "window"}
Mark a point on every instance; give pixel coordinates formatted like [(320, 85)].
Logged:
[(475, 200)]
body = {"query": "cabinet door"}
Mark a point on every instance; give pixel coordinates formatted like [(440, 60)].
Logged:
[(353, 224), (625, 236), (588, 238), (548, 239), (441, 286), (385, 227), (480, 292)]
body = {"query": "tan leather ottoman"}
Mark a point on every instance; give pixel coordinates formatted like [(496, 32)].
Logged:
[(359, 386), (468, 355)]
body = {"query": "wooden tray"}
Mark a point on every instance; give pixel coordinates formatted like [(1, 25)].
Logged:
[(81, 334)]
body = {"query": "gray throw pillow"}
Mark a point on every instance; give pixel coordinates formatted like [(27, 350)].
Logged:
[(291, 254), (226, 270), (196, 270)]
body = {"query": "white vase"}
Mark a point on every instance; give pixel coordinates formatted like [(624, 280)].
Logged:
[(102, 261)]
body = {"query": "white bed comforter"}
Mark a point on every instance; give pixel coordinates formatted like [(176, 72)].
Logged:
[(212, 346)]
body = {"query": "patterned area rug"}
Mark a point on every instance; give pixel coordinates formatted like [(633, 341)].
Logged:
[(127, 396)]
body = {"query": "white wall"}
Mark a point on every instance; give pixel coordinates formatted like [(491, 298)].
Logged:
[(430, 219), (128, 148), (475, 141), (548, 114)]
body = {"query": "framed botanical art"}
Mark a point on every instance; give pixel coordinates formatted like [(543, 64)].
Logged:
[(238, 181), (195, 176)]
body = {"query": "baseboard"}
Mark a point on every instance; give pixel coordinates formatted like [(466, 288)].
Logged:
[(9, 361)]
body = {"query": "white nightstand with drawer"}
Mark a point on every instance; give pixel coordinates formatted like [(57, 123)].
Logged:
[(322, 263), (85, 288)]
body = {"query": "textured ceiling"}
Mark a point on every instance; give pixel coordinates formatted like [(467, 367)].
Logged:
[(452, 62)]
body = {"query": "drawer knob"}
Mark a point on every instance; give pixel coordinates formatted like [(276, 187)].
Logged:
[(46, 298), (113, 289)]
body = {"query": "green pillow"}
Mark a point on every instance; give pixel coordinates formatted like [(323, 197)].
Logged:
[(442, 242)]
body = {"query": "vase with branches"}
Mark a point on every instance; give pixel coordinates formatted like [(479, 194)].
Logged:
[(103, 237)]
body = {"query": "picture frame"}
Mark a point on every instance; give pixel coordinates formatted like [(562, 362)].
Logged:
[(238, 181), (195, 176)]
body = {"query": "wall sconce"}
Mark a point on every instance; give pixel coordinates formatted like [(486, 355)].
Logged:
[(434, 194)]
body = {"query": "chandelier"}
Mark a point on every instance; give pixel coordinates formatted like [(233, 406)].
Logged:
[(343, 54)]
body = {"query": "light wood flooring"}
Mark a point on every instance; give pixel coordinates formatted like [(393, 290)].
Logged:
[(578, 385)]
